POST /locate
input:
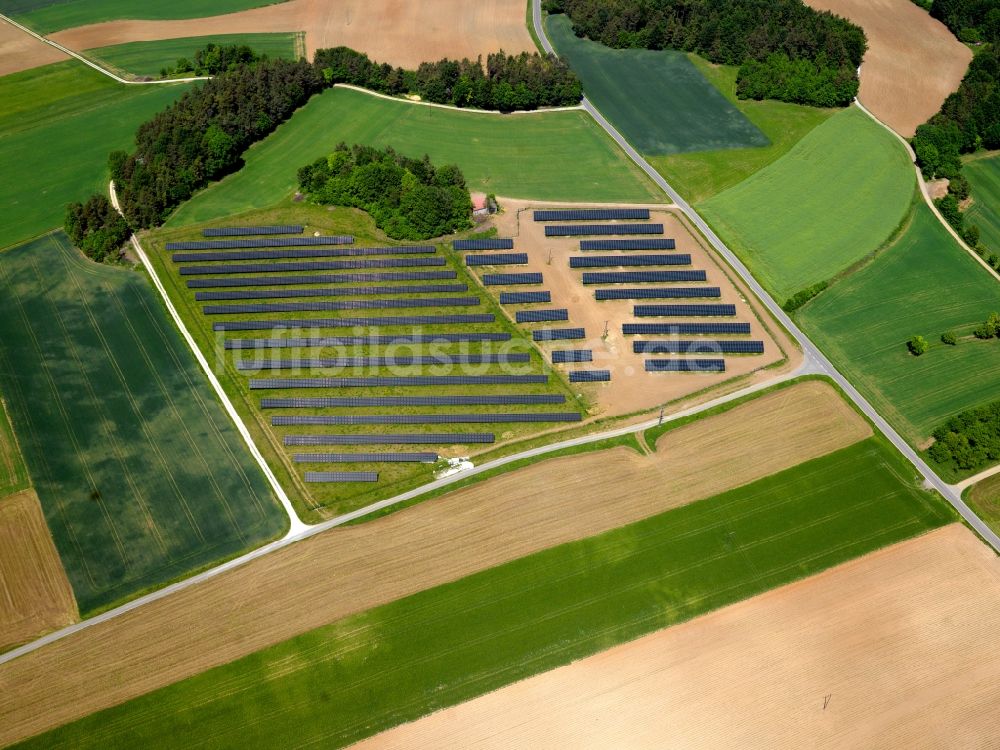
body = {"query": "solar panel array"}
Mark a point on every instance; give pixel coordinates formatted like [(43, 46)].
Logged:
[(347, 291), (421, 438), (558, 334), (589, 376), (496, 243), (368, 458), (347, 304), (677, 311), (390, 361), (330, 265), (524, 298), (623, 261), (400, 339), (677, 292), (308, 253), (686, 365), (389, 320), (573, 230), (272, 242), (505, 399), (562, 356), (591, 214), (394, 419), (731, 346), (497, 259), (246, 231), (395, 380), (541, 316), (341, 476), (505, 279), (685, 329), (641, 277), (646, 243), (337, 278)]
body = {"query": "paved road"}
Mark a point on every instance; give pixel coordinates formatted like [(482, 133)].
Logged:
[(811, 351)]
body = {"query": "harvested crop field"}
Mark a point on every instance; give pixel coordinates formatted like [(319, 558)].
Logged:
[(35, 595), (912, 64), (20, 51), (405, 34), (352, 569)]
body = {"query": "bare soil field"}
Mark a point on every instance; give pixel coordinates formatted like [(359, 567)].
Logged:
[(35, 595), (387, 30), (913, 62), (20, 51), (901, 643), (631, 388), (352, 569)]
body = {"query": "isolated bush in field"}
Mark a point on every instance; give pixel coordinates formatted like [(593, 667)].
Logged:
[(949, 338), (917, 345), (96, 228)]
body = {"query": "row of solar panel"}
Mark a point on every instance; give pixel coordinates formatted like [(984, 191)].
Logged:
[(273, 242), (589, 376), (425, 438), (379, 382), (331, 265), (686, 365), (681, 292), (309, 253), (574, 230), (541, 316), (504, 279), (399, 339), (591, 214), (434, 359), (367, 458), (338, 278), (624, 261), (388, 320), (640, 277), (347, 304), (647, 243), (504, 399), (485, 418), (737, 346), (680, 311), (324, 477), (246, 231), (497, 259), (562, 356), (496, 243), (684, 329), (346, 291), (524, 298), (558, 334)]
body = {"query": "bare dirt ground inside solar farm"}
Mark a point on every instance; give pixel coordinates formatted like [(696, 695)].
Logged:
[(390, 31), (902, 641), (631, 388), (913, 62), (20, 51), (352, 569)]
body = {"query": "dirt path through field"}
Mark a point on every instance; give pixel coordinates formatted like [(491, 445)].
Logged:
[(20, 51), (387, 30), (901, 642), (352, 569), (913, 62)]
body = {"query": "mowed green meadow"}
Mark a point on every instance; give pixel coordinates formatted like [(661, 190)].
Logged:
[(141, 475), (46, 16), (58, 124), (833, 199), (353, 678), (147, 58), (657, 99), (923, 284), (552, 156), (984, 176)]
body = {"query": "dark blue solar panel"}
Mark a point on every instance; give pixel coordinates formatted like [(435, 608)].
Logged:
[(272, 242), (557, 334), (400, 361), (509, 279), (497, 259), (365, 458), (380, 382), (308, 253), (685, 329), (341, 476), (725, 346), (646, 243), (686, 365), (562, 356), (540, 316), (346, 291), (589, 376), (398, 339), (676, 292), (591, 214), (506, 399), (347, 304), (640, 277), (247, 231), (524, 298), (393, 419), (700, 311), (420, 438), (572, 230), (389, 320), (496, 243), (623, 261), (338, 278), (331, 265)]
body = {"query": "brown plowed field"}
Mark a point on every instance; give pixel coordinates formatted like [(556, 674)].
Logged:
[(400, 33), (352, 569), (903, 642), (20, 51), (35, 595), (913, 62)]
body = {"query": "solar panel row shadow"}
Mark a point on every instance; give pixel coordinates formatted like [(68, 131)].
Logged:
[(646, 243), (504, 399), (382, 382), (419, 438), (340, 278), (341, 476), (557, 334), (562, 356), (272, 242), (367, 458), (247, 231), (686, 365), (332, 265), (399, 339), (352, 304), (573, 230), (591, 214), (391, 419), (676, 292), (497, 259), (436, 359), (388, 320), (589, 376), (524, 298), (307, 253), (685, 329), (510, 279), (496, 243), (347, 291), (624, 261), (725, 346), (698, 311), (641, 277), (541, 316)]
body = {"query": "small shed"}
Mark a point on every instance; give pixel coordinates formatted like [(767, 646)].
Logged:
[(480, 205)]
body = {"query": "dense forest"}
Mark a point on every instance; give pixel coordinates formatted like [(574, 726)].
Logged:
[(213, 59), (970, 440), (972, 21), (96, 228), (409, 199), (506, 83), (785, 49)]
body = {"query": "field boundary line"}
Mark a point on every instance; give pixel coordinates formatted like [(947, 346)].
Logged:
[(379, 95)]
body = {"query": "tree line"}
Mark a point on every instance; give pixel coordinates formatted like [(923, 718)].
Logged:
[(972, 21), (213, 59), (409, 199), (785, 49)]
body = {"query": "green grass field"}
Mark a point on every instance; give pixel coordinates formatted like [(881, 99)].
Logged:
[(46, 16), (833, 199), (700, 175), (145, 59), (142, 476), (657, 99), (923, 284), (984, 176), (13, 472), (984, 498), (57, 127), (368, 672), (554, 156)]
